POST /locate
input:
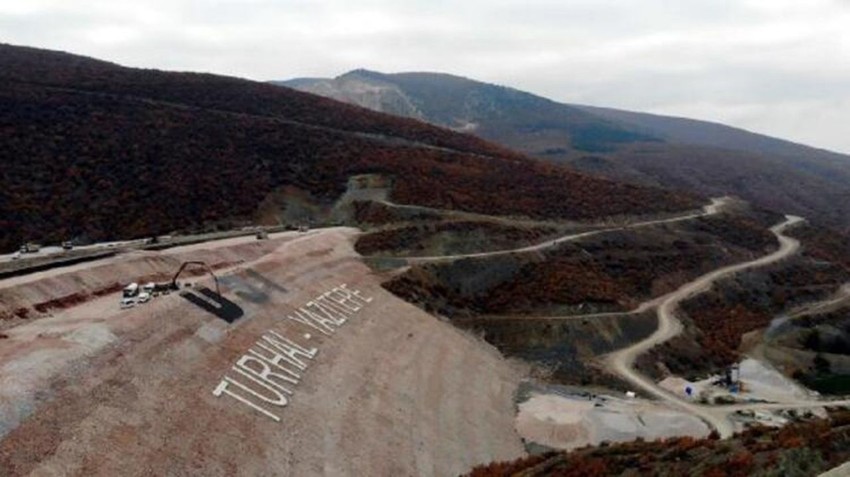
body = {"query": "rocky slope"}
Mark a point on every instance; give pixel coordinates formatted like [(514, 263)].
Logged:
[(690, 155)]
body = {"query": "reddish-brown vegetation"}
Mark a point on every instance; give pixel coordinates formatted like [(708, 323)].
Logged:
[(62, 302), (617, 270), (413, 237), (564, 281), (747, 303), (736, 306), (94, 150), (723, 326), (804, 448), (744, 232), (825, 244)]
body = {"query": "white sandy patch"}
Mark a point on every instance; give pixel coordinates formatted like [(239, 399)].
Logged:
[(564, 422), (765, 382), (555, 421)]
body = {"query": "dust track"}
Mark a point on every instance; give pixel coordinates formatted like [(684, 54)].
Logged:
[(714, 207), (622, 362)]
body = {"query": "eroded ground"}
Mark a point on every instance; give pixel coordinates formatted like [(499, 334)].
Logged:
[(94, 390)]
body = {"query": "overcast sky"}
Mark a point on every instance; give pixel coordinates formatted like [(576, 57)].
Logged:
[(780, 67)]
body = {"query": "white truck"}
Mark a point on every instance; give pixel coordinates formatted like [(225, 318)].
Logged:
[(30, 247), (131, 290), (147, 291), (128, 296)]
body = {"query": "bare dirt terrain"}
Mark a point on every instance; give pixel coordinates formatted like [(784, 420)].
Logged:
[(89, 389), (570, 422)]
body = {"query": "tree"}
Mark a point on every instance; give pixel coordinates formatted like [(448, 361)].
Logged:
[(799, 462)]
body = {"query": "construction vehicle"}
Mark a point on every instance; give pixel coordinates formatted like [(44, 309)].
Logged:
[(175, 285), (30, 247), (131, 290)]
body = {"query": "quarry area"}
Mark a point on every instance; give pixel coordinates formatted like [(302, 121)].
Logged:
[(570, 421), (286, 354), (365, 384)]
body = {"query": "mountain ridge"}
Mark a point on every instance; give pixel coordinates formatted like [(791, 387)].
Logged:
[(467, 105), (686, 154), (98, 151)]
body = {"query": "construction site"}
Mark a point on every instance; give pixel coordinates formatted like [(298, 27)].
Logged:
[(241, 372), (233, 355)]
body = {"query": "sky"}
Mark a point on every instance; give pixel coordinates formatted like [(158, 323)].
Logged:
[(778, 67)]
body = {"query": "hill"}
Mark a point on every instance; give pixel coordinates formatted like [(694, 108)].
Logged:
[(705, 133), (801, 449), (490, 111), (688, 155), (96, 151), (531, 261)]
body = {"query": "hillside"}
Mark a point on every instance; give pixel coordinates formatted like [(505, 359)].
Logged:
[(805, 449), (94, 151), (689, 155), (165, 388), (705, 133), (489, 307), (490, 111)]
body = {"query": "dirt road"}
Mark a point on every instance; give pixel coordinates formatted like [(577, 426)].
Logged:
[(622, 361), (839, 300), (714, 207)]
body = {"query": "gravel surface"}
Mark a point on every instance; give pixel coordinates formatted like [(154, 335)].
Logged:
[(94, 390), (570, 422)]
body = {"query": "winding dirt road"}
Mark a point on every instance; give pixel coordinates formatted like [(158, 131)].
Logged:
[(839, 300), (714, 207), (622, 362)]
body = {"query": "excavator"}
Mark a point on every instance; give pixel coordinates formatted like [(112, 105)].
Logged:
[(174, 285)]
